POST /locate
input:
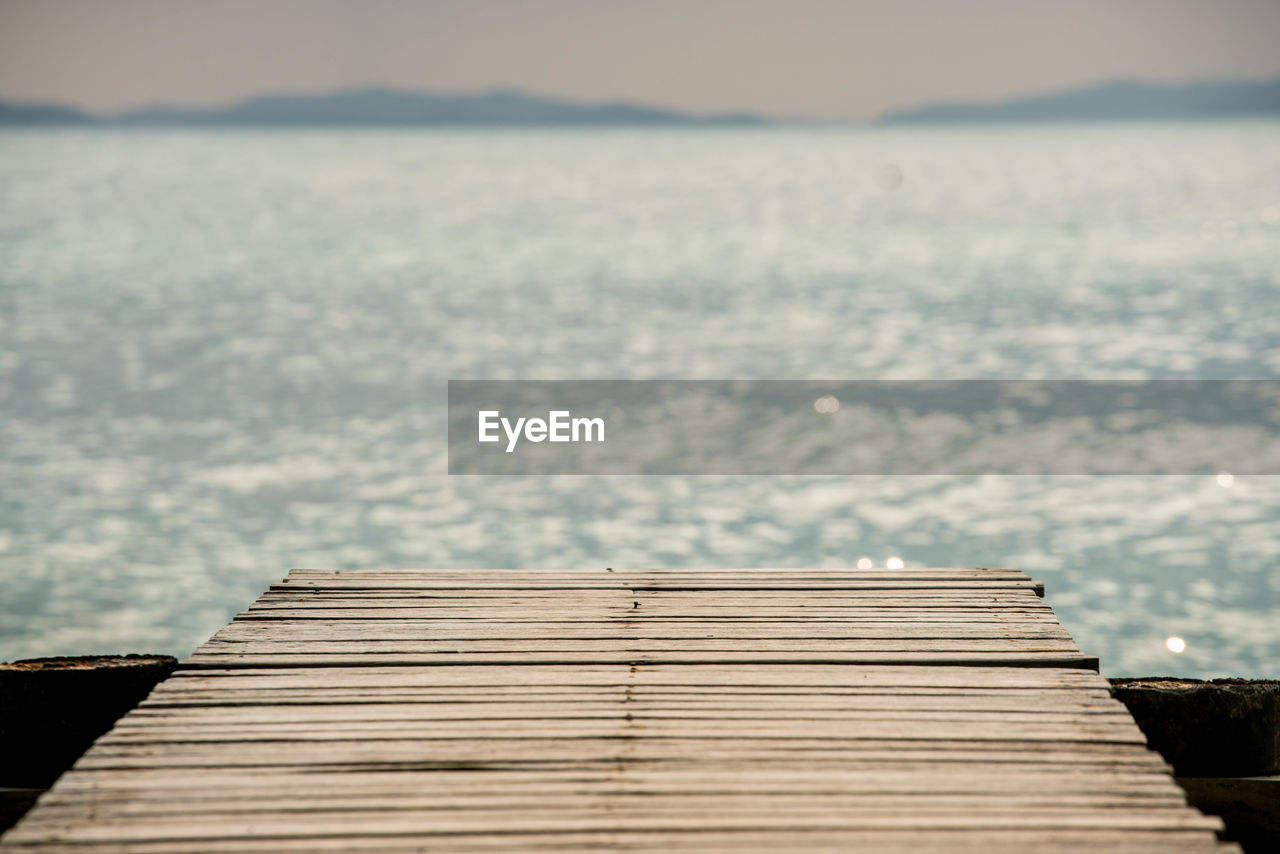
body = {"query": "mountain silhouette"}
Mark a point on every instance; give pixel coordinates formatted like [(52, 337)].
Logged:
[(381, 106), (40, 114), (1120, 100)]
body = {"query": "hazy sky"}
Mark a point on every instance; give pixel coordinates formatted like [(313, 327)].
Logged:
[(830, 58)]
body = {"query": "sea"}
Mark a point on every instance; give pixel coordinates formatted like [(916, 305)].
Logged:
[(224, 354)]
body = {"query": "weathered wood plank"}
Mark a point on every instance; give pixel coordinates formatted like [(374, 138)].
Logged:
[(651, 710), (983, 841), (734, 676), (660, 585)]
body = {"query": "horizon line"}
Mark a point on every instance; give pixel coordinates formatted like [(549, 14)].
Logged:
[(619, 102)]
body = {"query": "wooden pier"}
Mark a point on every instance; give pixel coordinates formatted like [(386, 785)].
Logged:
[(940, 710)]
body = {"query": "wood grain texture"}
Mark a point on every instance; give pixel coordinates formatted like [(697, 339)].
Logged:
[(641, 710)]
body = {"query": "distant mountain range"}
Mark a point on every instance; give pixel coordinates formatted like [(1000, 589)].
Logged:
[(380, 107), (1120, 100), (1115, 101), (40, 114)]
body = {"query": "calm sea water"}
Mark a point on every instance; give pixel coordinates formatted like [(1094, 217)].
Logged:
[(223, 354)]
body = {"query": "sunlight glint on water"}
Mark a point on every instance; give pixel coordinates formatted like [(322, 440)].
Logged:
[(223, 354)]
